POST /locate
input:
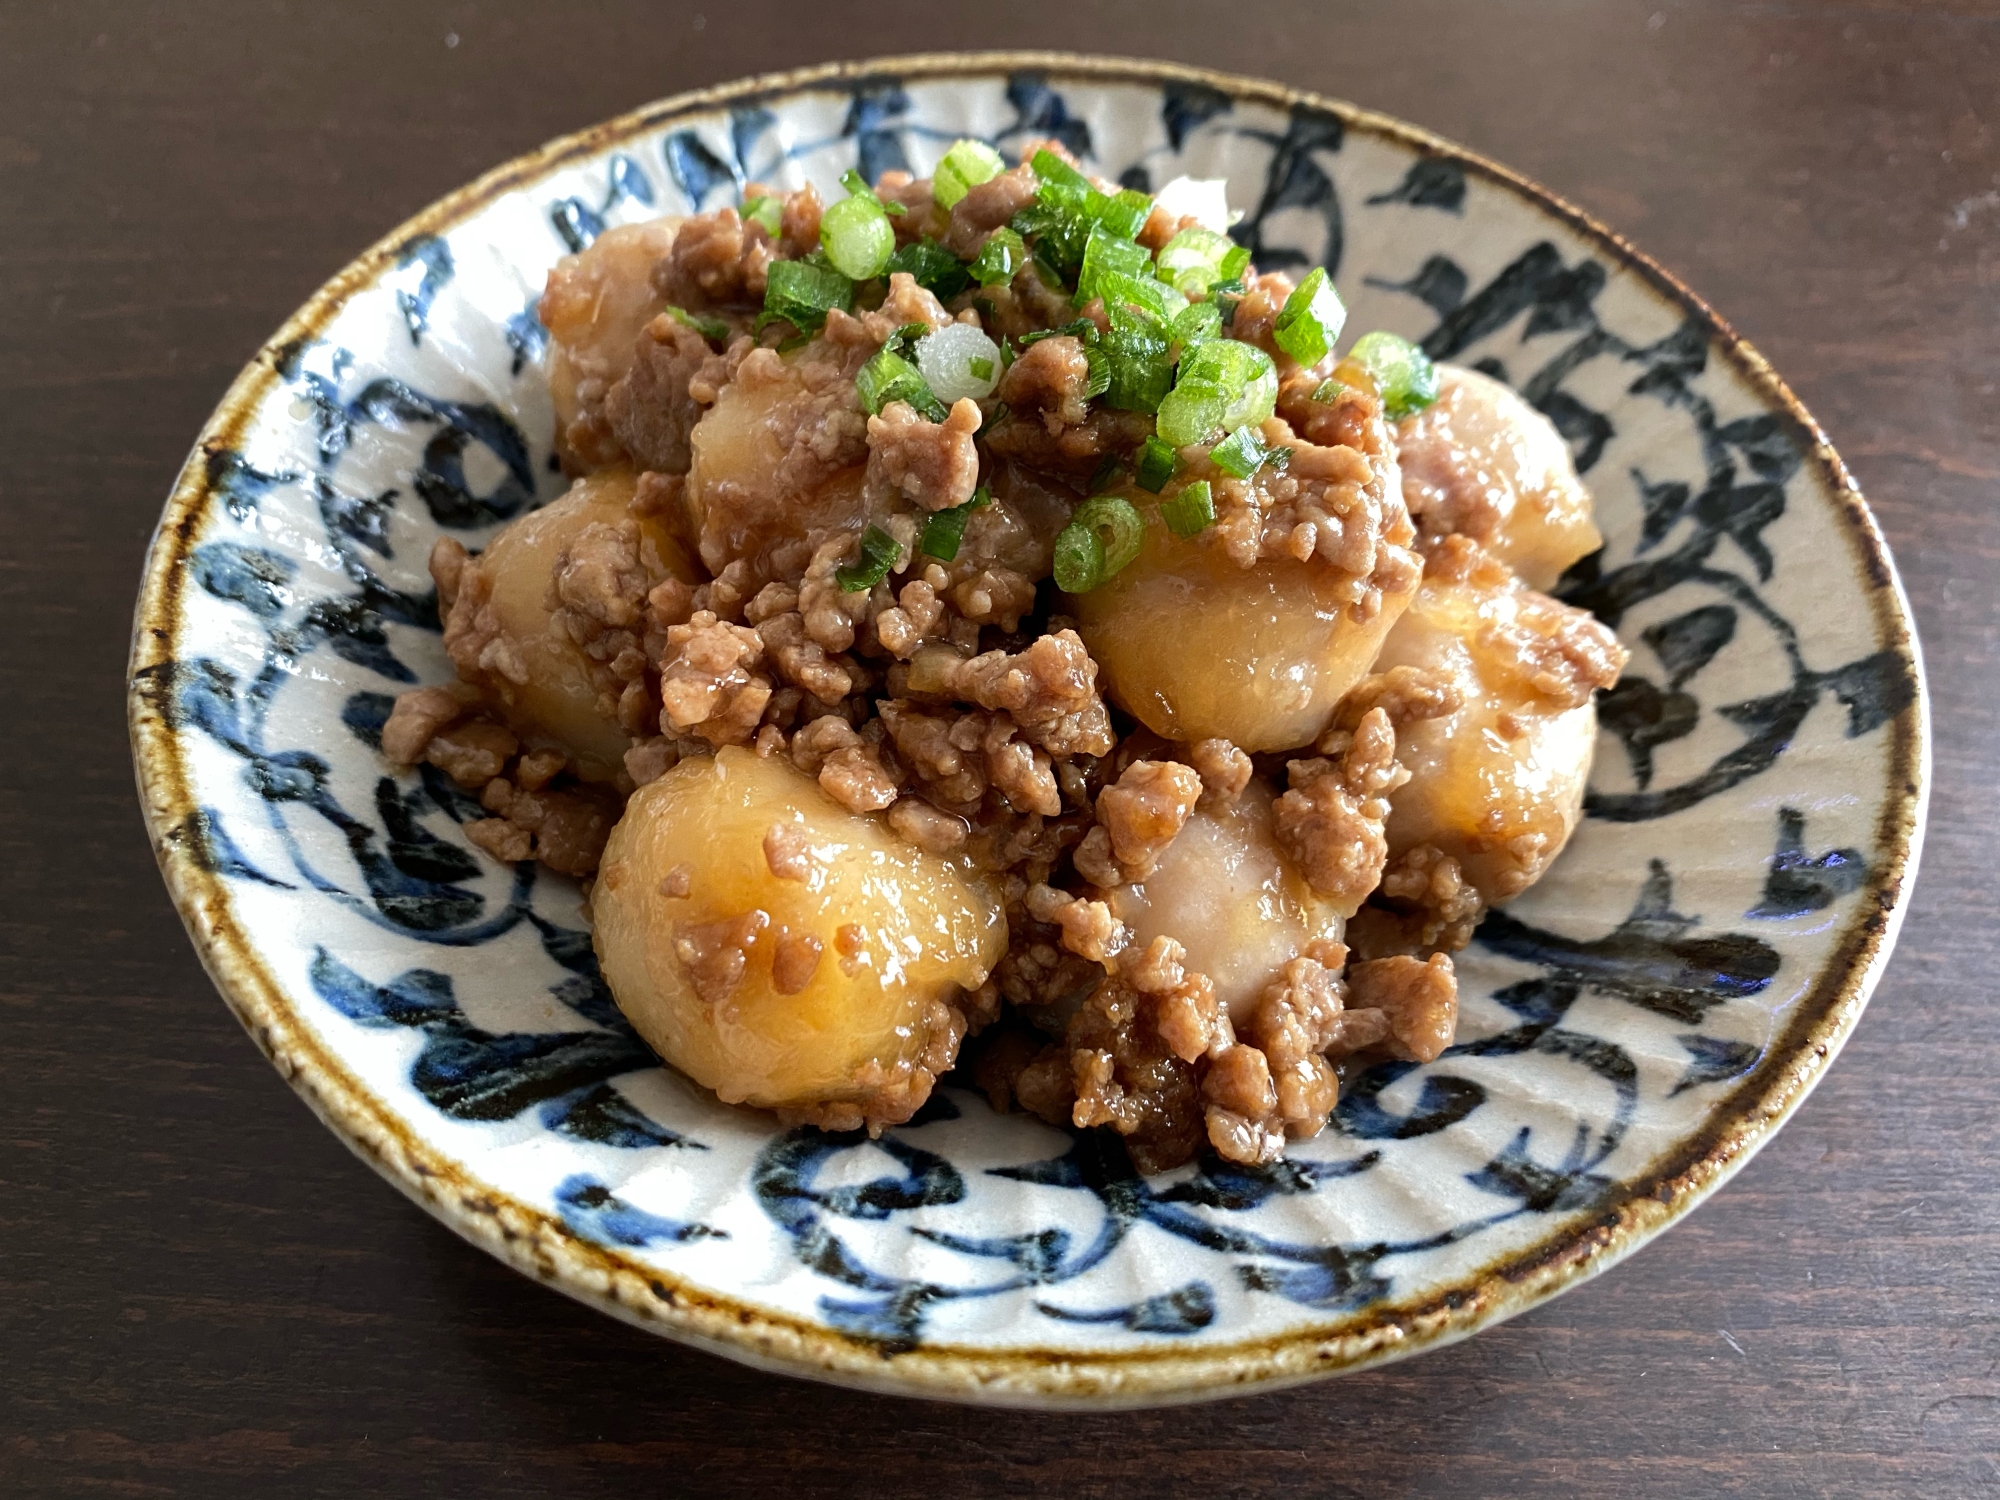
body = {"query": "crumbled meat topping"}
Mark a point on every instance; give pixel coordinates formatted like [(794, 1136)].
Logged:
[(1330, 822)]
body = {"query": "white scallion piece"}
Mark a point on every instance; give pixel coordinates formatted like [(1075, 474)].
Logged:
[(1204, 199), (958, 360)]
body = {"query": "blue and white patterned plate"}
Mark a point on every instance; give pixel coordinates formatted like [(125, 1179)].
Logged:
[(1632, 1029)]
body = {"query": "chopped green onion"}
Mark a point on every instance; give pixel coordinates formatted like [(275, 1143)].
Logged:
[(1404, 374), (935, 268), (1241, 375), (712, 329), (1141, 371), (1156, 465), (1138, 302), (857, 235), (1102, 538), (802, 293), (1326, 390), (1052, 169), (999, 258), (879, 552), (945, 530), (1196, 259), (765, 210), (1125, 212), (857, 185), (1225, 295), (1099, 364), (1107, 470), (1190, 511), (1191, 412), (1242, 453), (889, 377), (1311, 319), (1197, 323), (903, 338), (967, 164), (948, 359), (1107, 254), (1080, 328)]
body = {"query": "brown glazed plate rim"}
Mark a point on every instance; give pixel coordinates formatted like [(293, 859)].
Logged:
[(537, 1243)]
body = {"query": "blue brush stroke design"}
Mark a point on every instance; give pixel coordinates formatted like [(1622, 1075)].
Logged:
[(433, 253), (594, 1212)]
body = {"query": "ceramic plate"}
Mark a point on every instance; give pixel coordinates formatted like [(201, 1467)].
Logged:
[(1632, 1029)]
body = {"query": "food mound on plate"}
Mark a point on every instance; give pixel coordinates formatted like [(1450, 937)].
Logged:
[(991, 626)]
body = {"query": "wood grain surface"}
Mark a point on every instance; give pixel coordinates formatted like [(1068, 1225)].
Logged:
[(202, 1294)]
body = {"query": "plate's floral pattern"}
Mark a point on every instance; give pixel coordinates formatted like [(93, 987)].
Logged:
[(1750, 808)]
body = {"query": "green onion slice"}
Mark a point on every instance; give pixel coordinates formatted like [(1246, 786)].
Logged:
[(1311, 319), (999, 258), (802, 293), (1242, 453), (715, 330), (879, 552), (857, 185), (1190, 510), (1051, 168), (1141, 371), (1105, 253), (857, 236), (967, 164), (1102, 538), (1156, 464), (765, 210), (889, 377), (1124, 213), (1191, 412), (1197, 323), (935, 268), (1196, 259), (1404, 374), (1326, 390), (945, 530)]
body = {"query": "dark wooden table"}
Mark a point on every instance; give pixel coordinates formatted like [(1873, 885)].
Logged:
[(202, 1293)]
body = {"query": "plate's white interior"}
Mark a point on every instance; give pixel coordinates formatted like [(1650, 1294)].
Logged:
[(1622, 1000)]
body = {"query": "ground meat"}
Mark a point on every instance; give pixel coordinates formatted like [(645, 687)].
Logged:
[(569, 825), (1408, 695), (1431, 903), (1330, 823), (1138, 817), (1224, 770), (1345, 419), (649, 410), (501, 839), (932, 465), (1340, 508), (788, 853), (710, 684), (417, 715), (1049, 690), (794, 961), (1419, 999), (889, 1096), (1287, 1089), (1256, 316), (715, 954), (849, 768), (1126, 1076), (987, 207), (925, 826), (717, 261), (1088, 928), (472, 752), (1049, 424)]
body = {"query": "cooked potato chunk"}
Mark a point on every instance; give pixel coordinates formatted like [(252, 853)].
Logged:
[(1195, 647), (1484, 464), (594, 305), (784, 951), (779, 460), (549, 687), (1223, 891), (1497, 783)]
